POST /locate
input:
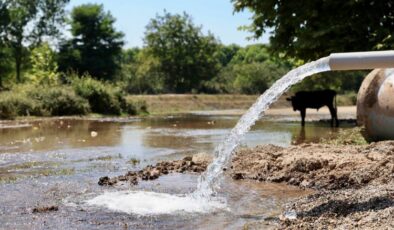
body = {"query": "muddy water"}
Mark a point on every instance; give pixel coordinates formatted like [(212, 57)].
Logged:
[(58, 162)]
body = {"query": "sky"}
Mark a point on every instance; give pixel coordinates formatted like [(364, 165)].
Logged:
[(215, 16)]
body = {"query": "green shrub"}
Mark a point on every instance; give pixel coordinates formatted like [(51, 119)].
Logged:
[(14, 104), (26, 100), (255, 78), (60, 100), (83, 96), (130, 108), (134, 107), (7, 109), (103, 98)]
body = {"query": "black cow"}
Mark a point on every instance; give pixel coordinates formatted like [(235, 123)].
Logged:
[(315, 100)]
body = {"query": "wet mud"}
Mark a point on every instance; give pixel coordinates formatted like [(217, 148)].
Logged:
[(196, 164), (353, 184)]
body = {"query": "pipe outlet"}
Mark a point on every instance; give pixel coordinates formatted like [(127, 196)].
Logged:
[(362, 60)]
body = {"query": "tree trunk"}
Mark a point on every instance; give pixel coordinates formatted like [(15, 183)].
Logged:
[(18, 52), (18, 63)]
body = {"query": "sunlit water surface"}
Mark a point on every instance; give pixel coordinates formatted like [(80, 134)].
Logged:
[(58, 162)]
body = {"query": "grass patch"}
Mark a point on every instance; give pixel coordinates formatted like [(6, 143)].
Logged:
[(178, 103), (351, 136), (8, 179), (347, 99), (29, 165), (133, 161), (61, 172), (16, 172), (104, 158)]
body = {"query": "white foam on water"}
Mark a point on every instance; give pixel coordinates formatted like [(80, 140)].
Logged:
[(152, 203)]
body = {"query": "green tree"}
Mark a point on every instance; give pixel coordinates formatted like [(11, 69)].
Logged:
[(43, 65), (342, 82), (148, 77), (4, 57), (29, 22), (251, 70), (252, 53), (185, 56), (6, 65), (255, 78), (95, 47), (308, 29), (227, 53)]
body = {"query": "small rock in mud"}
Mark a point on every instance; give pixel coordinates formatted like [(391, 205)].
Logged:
[(42, 209), (106, 181)]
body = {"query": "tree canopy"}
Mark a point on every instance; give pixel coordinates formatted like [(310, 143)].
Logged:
[(28, 22), (96, 46), (308, 29), (185, 56)]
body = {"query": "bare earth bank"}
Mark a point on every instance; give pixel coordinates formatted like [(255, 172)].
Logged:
[(354, 185)]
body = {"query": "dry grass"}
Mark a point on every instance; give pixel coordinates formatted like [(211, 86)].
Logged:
[(178, 103)]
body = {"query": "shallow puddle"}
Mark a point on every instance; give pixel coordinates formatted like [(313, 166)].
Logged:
[(59, 161)]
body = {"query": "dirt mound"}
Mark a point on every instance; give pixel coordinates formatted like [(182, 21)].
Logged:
[(195, 164), (317, 166), (371, 207), (354, 183)]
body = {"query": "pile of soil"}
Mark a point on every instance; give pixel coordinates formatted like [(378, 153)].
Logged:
[(369, 207), (354, 184), (317, 166), (196, 164)]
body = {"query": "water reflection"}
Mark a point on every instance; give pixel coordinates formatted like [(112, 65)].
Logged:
[(59, 134), (58, 160), (151, 137)]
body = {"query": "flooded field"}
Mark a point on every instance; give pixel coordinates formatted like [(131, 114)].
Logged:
[(57, 163)]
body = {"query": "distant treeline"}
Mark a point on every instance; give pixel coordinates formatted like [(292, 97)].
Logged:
[(177, 57)]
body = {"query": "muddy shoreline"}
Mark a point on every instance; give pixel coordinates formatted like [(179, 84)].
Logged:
[(353, 184)]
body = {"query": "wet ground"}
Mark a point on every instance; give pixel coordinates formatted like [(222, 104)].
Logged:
[(50, 167), (354, 183)]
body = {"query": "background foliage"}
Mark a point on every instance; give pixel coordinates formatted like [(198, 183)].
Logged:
[(42, 70)]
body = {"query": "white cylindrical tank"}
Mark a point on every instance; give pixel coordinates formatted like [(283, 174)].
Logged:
[(375, 104)]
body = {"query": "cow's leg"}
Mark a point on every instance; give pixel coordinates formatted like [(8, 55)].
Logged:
[(303, 112), (334, 116)]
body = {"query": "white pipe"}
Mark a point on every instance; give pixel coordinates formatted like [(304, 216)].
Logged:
[(362, 60)]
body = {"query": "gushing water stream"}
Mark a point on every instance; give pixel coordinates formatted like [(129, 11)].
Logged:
[(210, 179), (204, 199)]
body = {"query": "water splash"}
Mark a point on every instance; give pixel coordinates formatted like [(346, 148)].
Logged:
[(204, 199), (152, 203), (209, 181)]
